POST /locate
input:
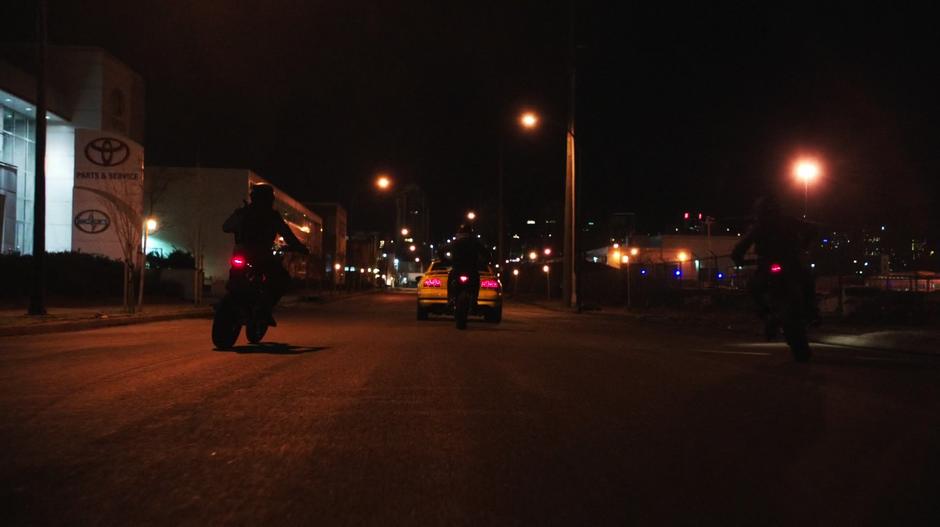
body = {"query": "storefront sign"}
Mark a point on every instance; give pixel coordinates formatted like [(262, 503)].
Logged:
[(108, 192)]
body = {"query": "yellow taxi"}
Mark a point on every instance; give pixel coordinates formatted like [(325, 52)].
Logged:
[(432, 293)]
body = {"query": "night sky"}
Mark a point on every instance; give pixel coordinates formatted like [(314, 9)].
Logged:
[(678, 108)]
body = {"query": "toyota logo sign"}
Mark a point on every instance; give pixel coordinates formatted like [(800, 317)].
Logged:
[(107, 151), (92, 221)]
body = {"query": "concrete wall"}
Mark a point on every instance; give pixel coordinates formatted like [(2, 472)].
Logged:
[(190, 204)]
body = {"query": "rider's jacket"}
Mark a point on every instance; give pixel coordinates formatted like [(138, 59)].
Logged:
[(255, 227), (780, 239), (467, 255)]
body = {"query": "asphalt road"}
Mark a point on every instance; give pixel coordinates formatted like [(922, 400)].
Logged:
[(365, 416)]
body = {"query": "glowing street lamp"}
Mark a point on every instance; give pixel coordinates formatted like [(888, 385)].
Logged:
[(471, 215), (683, 256), (634, 251), (529, 120), (383, 182), (150, 225), (548, 251), (533, 255), (405, 231), (412, 248), (806, 171)]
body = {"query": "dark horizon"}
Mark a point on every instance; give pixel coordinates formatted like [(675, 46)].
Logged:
[(701, 110)]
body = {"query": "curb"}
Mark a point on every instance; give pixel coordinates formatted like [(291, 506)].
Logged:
[(80, 325)]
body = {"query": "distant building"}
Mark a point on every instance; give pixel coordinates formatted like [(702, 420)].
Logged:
[(334, 239), (695, 257), (191, 203)]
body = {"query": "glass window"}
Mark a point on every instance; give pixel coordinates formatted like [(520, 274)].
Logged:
[(7, 120), (19, 153), (20, 125), (7, 156), (30, 165)]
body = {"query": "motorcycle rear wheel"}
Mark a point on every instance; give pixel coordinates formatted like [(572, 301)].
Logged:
[(225, 326), (255, 331)]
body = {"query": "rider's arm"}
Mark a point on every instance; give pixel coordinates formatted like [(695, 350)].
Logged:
[(289, 238)]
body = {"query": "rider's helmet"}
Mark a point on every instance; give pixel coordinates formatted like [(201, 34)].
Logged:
[(262, 194), (766, 207), (464, 231)]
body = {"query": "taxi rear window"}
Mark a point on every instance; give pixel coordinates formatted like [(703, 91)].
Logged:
[(443, 266)]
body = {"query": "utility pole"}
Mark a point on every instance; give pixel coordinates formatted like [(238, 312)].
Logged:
[(37, 299), (568, 268), (500, 216)]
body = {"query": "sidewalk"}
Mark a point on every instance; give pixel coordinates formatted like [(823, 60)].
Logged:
[(59, 319), (922, 340), (62, 319)]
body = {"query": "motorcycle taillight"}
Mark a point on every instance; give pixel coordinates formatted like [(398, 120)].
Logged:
[(464, 279), (238, 262), (776, 268)]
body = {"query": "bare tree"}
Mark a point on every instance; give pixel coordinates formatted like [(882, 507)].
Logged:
[(127, 224)]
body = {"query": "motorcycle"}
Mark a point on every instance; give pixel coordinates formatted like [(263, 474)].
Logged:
[(241, 305), (462, 295), (785, 299)]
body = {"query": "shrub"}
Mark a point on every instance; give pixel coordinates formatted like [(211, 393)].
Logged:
[(68, 274)]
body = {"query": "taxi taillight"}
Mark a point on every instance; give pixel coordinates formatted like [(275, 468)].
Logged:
[(489, 284)]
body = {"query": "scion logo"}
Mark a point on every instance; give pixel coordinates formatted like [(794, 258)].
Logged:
[(107, 151), (92, 221)]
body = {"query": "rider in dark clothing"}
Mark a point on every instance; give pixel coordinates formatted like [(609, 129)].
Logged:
[(467, 256), (255, 225), (777, 239)]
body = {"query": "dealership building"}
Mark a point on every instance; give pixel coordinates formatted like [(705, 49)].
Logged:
[(94, 152), (98, 193)]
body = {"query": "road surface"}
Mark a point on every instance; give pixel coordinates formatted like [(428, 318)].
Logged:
[(356, 413)]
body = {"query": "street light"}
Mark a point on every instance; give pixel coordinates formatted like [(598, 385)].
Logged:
[(405, 231), (150, 226), (383, 182), (626, 260), (634, 251), (548, 251), (806, 171), (533, 255), (529, 120), (548, 280), (471, 215)]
